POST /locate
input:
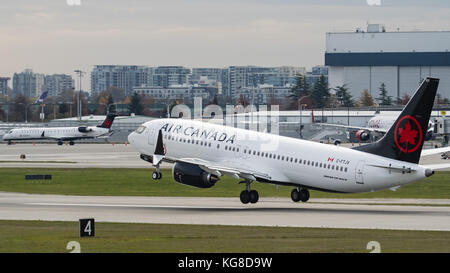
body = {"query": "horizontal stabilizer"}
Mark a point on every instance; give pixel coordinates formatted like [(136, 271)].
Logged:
[(435, 151), (438, 166)]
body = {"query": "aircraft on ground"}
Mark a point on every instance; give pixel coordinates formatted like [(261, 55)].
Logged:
[(203, 152), (61, 134), (378, 126)]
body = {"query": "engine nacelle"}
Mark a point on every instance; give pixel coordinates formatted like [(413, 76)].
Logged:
[(193, 175), (362, 135), (84, 129)]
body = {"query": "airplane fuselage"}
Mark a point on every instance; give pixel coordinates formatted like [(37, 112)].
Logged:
[(56, 133)]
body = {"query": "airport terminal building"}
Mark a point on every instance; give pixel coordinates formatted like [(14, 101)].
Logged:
[(365, 59)]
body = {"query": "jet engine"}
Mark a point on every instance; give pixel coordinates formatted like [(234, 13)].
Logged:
[(84, 129), (362, 135), (193, 175)]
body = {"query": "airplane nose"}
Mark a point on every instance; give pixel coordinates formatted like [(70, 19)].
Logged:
[(131, 137)]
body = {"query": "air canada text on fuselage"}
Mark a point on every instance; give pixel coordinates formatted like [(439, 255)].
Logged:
[(192, 131)]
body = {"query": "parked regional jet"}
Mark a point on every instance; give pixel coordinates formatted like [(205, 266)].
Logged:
[(203, 152), (62, 133)]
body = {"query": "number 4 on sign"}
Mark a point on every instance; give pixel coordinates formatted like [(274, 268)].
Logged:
[(87, 227)]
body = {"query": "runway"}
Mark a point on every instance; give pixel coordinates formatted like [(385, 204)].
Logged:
[(92, 156), (324, 213), (78, 156)]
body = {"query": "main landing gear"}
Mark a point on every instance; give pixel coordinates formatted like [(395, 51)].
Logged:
[(247, 195), (300, 194)]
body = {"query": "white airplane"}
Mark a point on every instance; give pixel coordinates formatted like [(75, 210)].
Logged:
[(61, 133), (377, 126), (203, 152)]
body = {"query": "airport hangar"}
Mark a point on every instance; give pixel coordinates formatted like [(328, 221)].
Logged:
[(401, 59)]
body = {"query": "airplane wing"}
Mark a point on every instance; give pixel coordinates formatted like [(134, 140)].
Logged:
[(378, 130), (63, 138), (434, 151), (222, 168)]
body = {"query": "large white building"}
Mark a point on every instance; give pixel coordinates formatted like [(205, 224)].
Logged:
[(365, 59)]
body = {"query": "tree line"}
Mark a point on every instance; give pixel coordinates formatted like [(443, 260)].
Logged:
[(320, 96)]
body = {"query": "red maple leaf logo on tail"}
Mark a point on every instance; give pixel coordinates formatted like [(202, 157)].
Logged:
[(407, 135)]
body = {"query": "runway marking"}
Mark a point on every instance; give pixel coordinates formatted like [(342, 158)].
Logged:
[(129, 206)]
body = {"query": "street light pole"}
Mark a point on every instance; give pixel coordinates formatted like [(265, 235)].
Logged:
[(79, 110)]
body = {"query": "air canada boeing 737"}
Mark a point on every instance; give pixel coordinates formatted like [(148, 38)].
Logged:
[(203, 152), (61, 134)]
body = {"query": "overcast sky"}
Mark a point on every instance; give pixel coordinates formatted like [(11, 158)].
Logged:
[(51, 36)]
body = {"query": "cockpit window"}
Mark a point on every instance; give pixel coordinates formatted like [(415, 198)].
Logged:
[(140, 129), (10, 132)]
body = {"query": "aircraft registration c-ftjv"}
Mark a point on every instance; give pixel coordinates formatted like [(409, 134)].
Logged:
[(203, 152), (62, 134)]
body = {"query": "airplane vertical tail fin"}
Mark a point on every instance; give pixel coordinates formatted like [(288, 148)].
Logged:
[(405, 138), (107, 123)]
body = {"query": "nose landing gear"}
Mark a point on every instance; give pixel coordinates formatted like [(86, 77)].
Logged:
[(156, 175)]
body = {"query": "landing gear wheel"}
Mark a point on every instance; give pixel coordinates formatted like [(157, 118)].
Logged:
[(300, 195), (60, 142), (9, 142), (156, 175), (304, 195), (245, 197), (71, 143), (254, 196), (295, 195)]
